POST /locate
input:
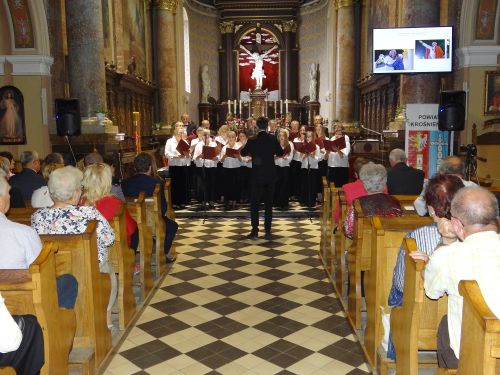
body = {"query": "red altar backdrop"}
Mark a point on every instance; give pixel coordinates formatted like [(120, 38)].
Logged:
[(271, 63)]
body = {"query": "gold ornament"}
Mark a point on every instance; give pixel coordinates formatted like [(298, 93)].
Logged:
[(345, 3), (290, 26), (226, 27), (170, 5)]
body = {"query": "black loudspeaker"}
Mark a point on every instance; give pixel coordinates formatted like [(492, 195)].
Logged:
[(68, 119), (452, 110)]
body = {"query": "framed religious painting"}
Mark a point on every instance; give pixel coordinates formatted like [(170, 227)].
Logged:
[(492, 93), (12, 126)]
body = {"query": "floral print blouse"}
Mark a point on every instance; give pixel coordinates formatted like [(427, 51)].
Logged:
[(74, 220)]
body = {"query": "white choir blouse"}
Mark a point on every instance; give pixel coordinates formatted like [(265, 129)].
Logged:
[(174, 157), (297, 156), (334, 160), (198, 151), (230, 162), (312, 160), (285, 160)]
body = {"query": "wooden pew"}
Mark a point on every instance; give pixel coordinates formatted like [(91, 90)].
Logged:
[(341, 245), (324, 219), (358, 260), (8, 371), (480, 338), (21, 215), (157, 227), (414, 324), (330, 239), (387, 236), (137, 209), (168, 197), (34, 292), (406, 202), (77, 255), (122, 258)]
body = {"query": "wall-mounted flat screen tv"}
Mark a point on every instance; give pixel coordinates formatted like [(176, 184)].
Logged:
[(412, 50)]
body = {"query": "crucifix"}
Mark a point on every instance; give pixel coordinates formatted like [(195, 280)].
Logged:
[(257, 54)]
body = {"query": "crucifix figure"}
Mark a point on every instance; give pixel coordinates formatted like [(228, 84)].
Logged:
[(258, 60)]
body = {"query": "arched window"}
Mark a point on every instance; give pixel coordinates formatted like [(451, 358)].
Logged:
[(187, 64)]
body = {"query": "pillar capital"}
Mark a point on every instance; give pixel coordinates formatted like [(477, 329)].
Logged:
[(345, 3), (170, 5), (226, 27), (290, 26)]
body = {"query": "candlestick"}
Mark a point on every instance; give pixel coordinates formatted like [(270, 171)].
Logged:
[(228, 105), (286, 106), (240, 109), (235, 103), (281, 107)]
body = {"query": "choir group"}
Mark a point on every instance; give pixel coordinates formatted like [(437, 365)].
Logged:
[(209, 167)]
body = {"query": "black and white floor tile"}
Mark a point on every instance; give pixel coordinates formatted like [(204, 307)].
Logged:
[(235, 306)]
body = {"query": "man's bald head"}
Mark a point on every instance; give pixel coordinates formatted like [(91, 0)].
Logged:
[(475, 206), (452, 165)]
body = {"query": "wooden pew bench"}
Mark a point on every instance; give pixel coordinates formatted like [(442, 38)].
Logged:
[(137, 209), (414, 324), (21, 215), (157, 228), (386, 239), (34, 292), (122, 259), (325, 208), (341, 245), (77, 255)]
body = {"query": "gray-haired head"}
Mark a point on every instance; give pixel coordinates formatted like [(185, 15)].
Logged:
[(374, 177), (28, 157), (63, 182), (92, 158), (397, 156), (475, 205), (452, 165), (3, 182)]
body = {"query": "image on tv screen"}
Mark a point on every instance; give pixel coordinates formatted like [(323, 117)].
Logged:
[(412, 50)]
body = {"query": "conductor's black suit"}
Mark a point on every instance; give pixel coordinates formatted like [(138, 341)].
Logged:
[(262, 149)]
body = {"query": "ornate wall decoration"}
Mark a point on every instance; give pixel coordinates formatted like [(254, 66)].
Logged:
[(486, 16), (170, 5), (21, 23), (12, 127), (226, 27), (290, 26)]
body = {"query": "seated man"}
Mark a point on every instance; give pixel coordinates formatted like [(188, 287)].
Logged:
[(21, 342), (451, 165), (28, 180), (476, 256), (401, 178), (143, 181), (21, 246)]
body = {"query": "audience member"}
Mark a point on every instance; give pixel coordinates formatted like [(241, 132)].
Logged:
[(10, 157), (401, 178), (41, 197), (451, 165), (438, 195), (21, 246), (474, 256), (28, 180), (96, 158), (143, 181), (54, 158), (16, 198), (97, 182), (65, 217), (21, 342), (92, 158), (376, 202)]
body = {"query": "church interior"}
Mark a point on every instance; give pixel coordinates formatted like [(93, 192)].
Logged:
[(116, 78)]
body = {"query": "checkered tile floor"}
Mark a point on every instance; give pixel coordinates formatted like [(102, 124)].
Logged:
[(236, 306)]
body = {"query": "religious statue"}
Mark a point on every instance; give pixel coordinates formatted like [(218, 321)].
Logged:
[(205, 84), (258, 70), (313, 83)]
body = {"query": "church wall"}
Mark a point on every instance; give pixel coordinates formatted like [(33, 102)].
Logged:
[(313, 48), (204, 40)]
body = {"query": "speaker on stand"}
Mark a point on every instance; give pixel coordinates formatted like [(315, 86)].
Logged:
[(451, 114), (68, 120)]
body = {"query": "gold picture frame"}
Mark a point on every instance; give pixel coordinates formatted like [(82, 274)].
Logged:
[(492, 93)]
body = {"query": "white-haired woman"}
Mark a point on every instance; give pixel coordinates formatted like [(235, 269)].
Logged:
[(65, 217), (376, 203)]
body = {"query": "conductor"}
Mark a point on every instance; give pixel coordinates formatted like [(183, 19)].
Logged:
[(263, 149)]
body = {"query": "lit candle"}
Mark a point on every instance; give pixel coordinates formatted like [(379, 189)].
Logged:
[(229, 105), (240, 110), (281, 106), (286, 106), (235, 104)]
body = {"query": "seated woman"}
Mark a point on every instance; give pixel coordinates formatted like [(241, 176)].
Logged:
[(16, 198), (376, 203), (438, 196), (65, 217), (41, 196)]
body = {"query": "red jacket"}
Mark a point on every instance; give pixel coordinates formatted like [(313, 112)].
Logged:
[(108, 206)]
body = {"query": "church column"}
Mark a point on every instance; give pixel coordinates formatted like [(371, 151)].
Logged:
[(420, 88), (86, 54), (167, 61), (226, 62), (289, 62), (54, 22), (344, 90)]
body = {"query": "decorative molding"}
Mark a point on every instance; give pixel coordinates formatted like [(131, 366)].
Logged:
[(199, 8), (313, 6), (289, 26), (226, 27), (345, 3), (477, 56), (170, 5), (278, 26), (28, 65)]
